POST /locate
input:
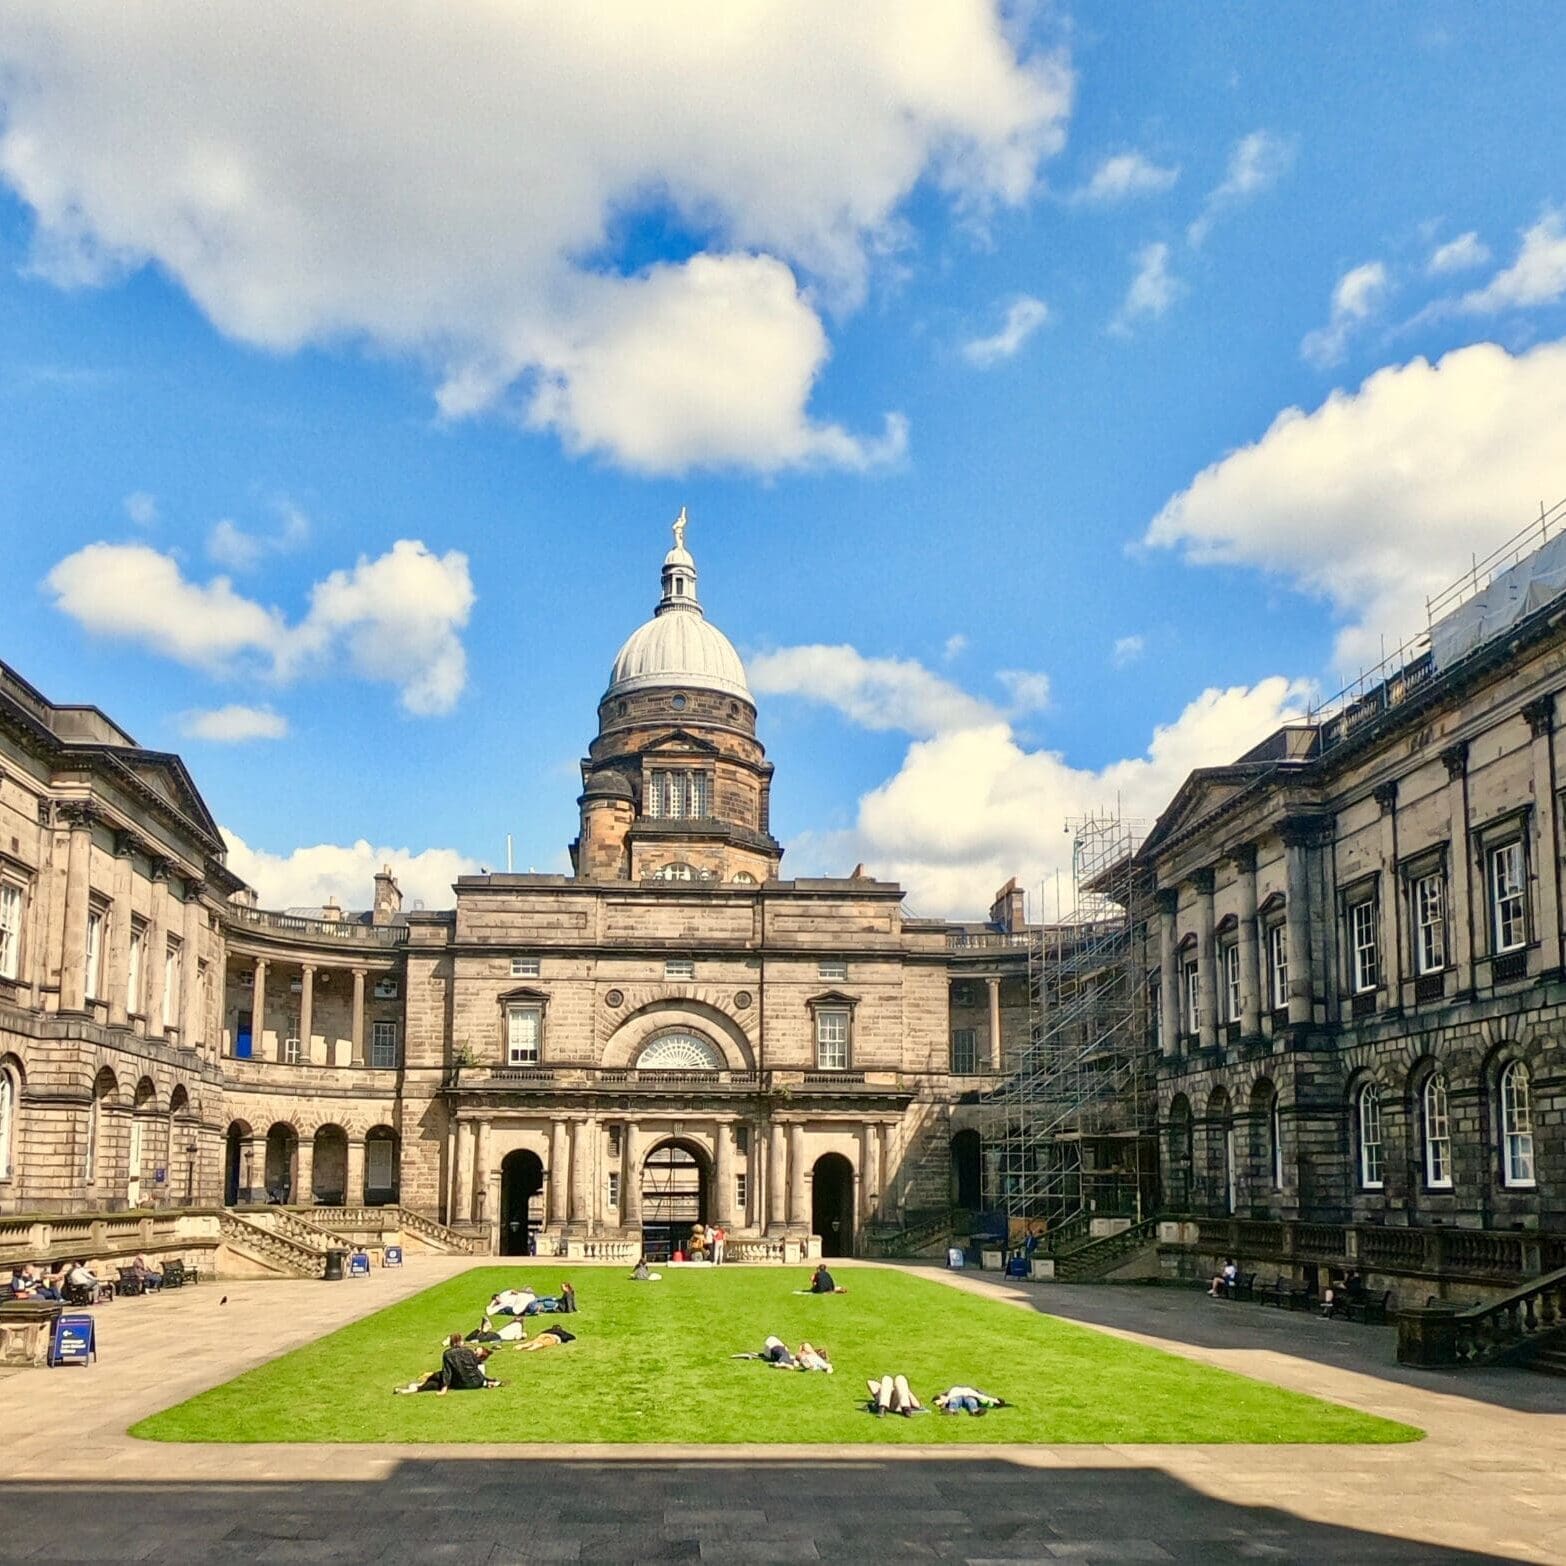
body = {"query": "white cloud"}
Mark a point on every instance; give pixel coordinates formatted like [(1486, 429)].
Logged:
[(1458, 255), (1124, 176), (1360, 292), (233, 725), (956, 643), (1024, 317), (397, 618), (1381, 496), (460, 192), (1153, 288), (1256, 164), (1537, 276), (307, 877), (1028, 690), (232, 547), (141, 508), (1126, 651)]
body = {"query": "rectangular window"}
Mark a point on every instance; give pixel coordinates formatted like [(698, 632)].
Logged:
[(171, 958), (741, 1192), (679, 968), (1508, 898), (832, 1040), (524, 1024), (385, 989), (614, 1189), (378, 1174), (10, 930), (1278, 966), (679, 796), (291, 1052), (1430, 923), (133, 978), (94, 953), (1438, 1136), (1193, 998), (1363, 954), (524, 967), (742, 1140), (1231, 982), (965, 1052), (1370, 1139), (831, 968), (383, 1045)]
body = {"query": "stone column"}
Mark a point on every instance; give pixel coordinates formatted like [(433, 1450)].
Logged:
[(461, 1170), (306, 1012), (304, 1172), (559, 1172), (1547, 853), (481, 1165), (78, 893), (354, 1195), (191, 1028), (252, 1168), (723, 1174), (755, 1206), (1389, 894), (258, 1012), (777, 1177), (120, 932), (631, 1175), (1250, 944), (869, 1170), (155, 949), (798, 1213), (885, 1180), (1206, 961), (1168, 899), (356, 1057), (1460, 910), (1302, 989), (993, 981), (579, 1171)]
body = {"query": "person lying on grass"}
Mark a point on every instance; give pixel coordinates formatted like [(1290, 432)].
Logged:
[(554, 1304), (550, 1337), (822, 1282), (777, 1353), (461, 1368), (968, 1400), (510, 1302), (893, 1395), (510, 1331)]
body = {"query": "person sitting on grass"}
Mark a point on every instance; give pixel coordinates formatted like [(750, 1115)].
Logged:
[(510, 1331), (893, 1395), (822, 1282), (640, 1273), (550, 1337), (567, 1305), (968, 1400), (510, 1302), (775, 1352), (461, 1368), (1221, 1285)]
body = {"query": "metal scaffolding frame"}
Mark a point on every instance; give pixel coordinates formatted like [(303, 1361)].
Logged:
[(1071, 1125)]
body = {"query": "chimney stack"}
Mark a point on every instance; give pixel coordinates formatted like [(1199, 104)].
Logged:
[(1008, 912), (388, 897)]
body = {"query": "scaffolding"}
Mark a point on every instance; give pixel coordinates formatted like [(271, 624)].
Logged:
[(1072, 1123)]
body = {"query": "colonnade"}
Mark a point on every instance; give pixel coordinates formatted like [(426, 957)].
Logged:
[(267, 976)]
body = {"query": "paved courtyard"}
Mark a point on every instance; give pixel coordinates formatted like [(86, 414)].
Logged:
[(1484, 1486)]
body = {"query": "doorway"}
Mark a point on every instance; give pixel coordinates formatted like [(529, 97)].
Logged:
[(521, 1181), (674, 1198), (967, 1171), (832, 1204)]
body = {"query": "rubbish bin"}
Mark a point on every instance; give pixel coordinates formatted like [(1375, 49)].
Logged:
[(334, 1265), (1427, 1337)]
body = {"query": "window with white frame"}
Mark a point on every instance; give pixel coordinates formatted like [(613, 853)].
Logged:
[(90, 1150), (1370, 1137), (1277, 966), (832, 968), (1231, 982), (383, 1045), (291, 1052), (171, 966), (1191, 976), (831, 1039), (94, 974), (1438, 1133), (676, 871), (679, 968), (1430, 923), (1508, 898), (741, 1191), (133, 971), (524, 967), (613, 1199), (1364, 954), (524, 1030), (1276, 1125), (8, 1098), (10, 930), (1516, 1126), (678, 795), (965, 1052)]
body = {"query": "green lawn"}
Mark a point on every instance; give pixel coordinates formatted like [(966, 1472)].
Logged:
[(652, 1364)]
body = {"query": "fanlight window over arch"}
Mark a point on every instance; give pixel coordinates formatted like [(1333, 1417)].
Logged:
[(680, 1052)]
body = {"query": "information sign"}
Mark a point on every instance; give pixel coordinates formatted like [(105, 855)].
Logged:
[(75, 1341), (392, 1256)]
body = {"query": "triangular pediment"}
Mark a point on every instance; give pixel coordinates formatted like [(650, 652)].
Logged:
[(679, 742), (164, 775), (1202, 793)]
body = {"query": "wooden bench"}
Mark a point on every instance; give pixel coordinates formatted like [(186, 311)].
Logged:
[(1370, 1310)]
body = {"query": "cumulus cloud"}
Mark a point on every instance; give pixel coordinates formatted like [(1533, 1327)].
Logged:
[(1381, 496), (1024, 317), (397, 618), (462, 193), (307, 877), (955, 645), (1028, 690), (141, 508), (233, 725), (1153, 288), (1458, 255), (1536, 277), (1125, 176), (1126, 651), (1360, 292), (1256, 164), (236, 550)]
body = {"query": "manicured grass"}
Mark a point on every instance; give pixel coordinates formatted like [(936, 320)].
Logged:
[(652, 1364)]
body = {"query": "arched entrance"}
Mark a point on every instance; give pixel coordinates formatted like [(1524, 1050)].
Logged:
[(236, 1164), (675, 1197), (832, 1204), (521, 1204), (282, 1159), (967, 1171), (329, 1167)]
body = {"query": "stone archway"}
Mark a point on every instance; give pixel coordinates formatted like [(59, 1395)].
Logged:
[(329, 1167), (832, 1204), (282, 1162), (676, 1196), (967, 1171), (238, 1174), (521, 1201)]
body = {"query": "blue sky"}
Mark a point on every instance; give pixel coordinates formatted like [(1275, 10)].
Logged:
[(513, 299)]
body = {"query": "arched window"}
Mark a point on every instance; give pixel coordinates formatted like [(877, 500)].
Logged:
[(1516, 1126), (8, 1098), (674, 872), (1438, 1134), (1370, 1137), (744, 878), (679, 1052)]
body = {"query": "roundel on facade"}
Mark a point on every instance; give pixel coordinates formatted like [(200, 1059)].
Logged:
[(679, 1052), (743, 1001), (614, 998)]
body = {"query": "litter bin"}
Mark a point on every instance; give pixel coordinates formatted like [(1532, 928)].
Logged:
[(334, 1265)]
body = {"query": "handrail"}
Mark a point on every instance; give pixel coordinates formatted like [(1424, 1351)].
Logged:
[(334, 930), (1498, 1327), (1090, 1259)]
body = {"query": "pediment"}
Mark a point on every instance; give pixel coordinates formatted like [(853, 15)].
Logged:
[(1202, 793), (677, 742), (165, 776)]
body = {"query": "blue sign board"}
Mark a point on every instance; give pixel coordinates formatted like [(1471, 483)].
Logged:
[(392, 1256), (954, 1256), (358, 1265), (75, 1341)]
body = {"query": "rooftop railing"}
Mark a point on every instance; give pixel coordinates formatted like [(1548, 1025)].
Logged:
[(300, 927)]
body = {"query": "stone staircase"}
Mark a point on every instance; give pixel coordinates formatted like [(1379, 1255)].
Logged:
[(1549, 1359), (1096, 1259), (275, 1251)]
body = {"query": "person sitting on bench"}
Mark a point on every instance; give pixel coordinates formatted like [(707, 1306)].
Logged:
[(550, 1337), (1221, 1285), (641, 1274), (461, 1368), (82, 1280), (893, 1395), (28, 1284), (144, 1274), (510, 1302), (968, 1400), (1334, 1300), (822, 1282), (510, 1331)]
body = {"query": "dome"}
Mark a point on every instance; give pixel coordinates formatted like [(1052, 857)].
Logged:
[(679, 646)]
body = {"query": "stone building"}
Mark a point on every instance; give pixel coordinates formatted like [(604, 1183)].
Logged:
[(1355, 942)]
